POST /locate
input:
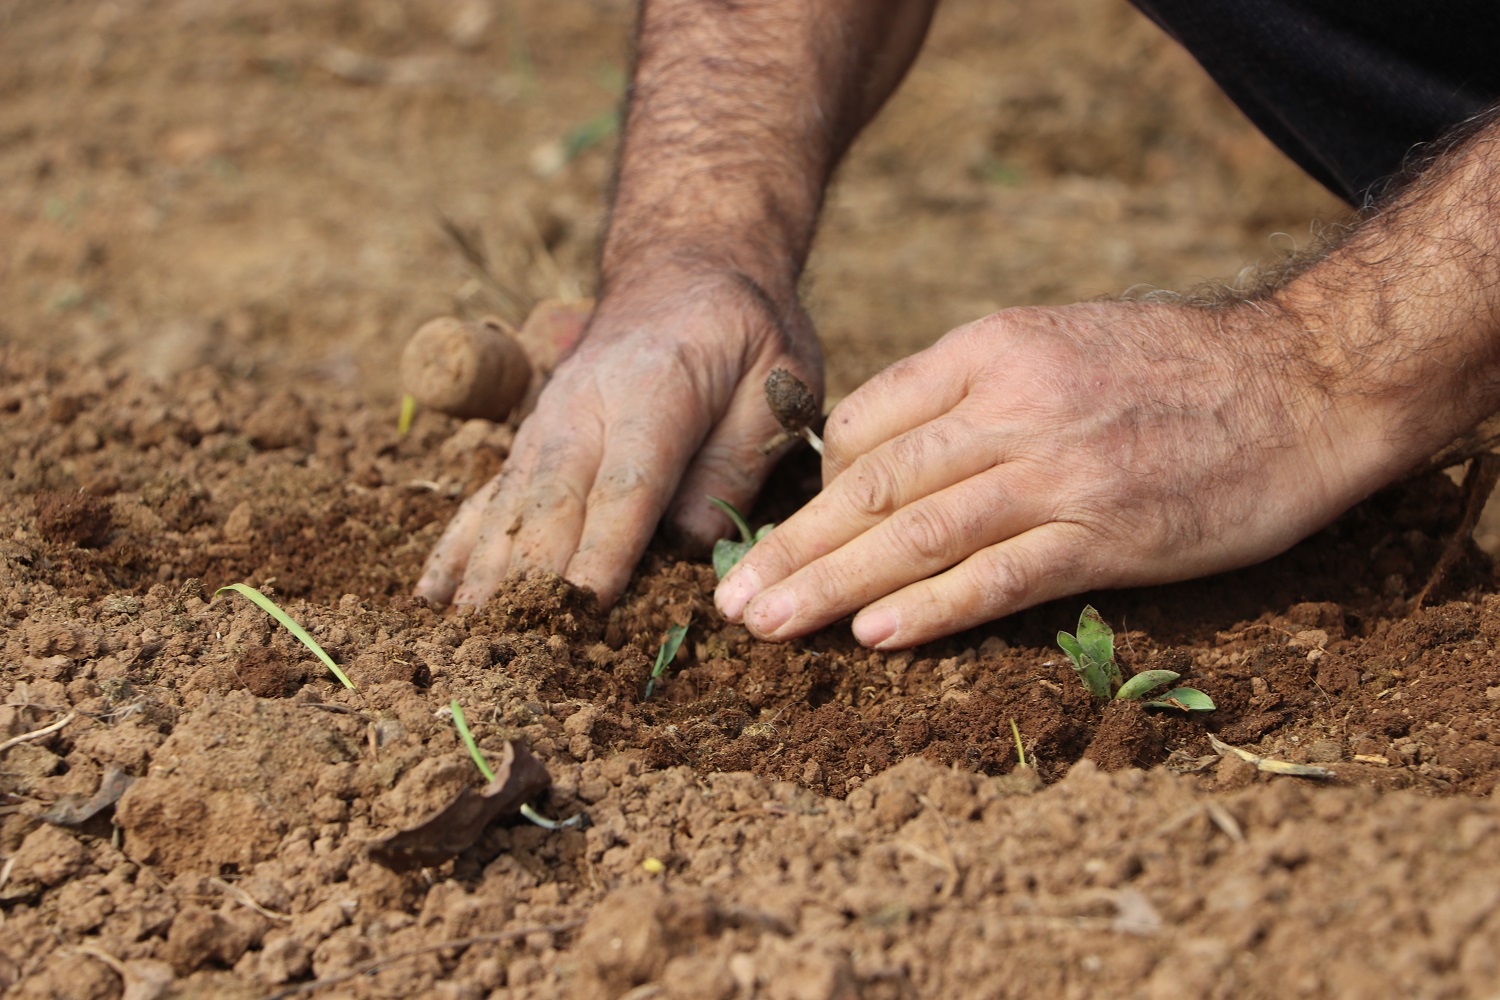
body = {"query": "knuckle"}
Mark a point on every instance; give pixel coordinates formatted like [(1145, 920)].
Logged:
[(620, 482), (1005, 581), (928, 533), (871, 494)]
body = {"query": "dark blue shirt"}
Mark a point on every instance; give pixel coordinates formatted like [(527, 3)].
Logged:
[(1347, 88)]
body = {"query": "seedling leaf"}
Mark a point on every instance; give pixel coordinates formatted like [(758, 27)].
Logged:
[(1185, 699), (1144, 683), (727, 551), (746, 534), (1092, 651), (408, 414), (1097, 639), (270, 608), (462, 725), (666, 654)]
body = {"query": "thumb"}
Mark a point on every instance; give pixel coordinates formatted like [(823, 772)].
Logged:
[(730, 465)]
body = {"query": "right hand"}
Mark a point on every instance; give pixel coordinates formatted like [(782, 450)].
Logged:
[(660, 406)]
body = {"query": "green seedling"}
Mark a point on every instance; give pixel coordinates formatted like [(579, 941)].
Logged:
[(1015, 731), (462, 725), (269, 606), (727, 551), (1092, 651), (666, 654), (408, 414)]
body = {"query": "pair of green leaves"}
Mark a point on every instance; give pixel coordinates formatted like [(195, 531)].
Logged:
[(1092, 651), (665, 655), (727, 551)]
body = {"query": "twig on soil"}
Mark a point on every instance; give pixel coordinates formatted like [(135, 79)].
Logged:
[(37, 734), (1270, 764), (1225, 821), (378, 964), (244, 898)]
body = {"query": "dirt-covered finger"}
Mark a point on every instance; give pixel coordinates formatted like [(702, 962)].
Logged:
[(640, 472), (1043, 564), (445, 565), (730, 465), (917, 464), (550, 510), (920, 539)]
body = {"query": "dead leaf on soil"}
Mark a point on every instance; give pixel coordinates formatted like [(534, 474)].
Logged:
[(1272, 766), (75, 810), (455, 827)]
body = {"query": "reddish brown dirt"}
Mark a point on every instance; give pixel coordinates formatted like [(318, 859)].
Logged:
[(222, 225)]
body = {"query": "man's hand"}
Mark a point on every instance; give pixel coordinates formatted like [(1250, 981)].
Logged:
[(1044, 452), (738, 114), (660, 406)]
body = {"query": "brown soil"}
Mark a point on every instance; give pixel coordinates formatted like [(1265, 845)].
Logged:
[(223, 221)]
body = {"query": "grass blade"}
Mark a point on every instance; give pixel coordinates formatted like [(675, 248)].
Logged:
[(462, 725), (408, 414), (270, 608)]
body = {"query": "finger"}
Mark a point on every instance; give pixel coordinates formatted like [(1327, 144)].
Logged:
[(1043, 564), (904, 396), (445, 564), (916, 464), (541, 527), (730, 466), (639, 474), (922, 538), (490, 553)]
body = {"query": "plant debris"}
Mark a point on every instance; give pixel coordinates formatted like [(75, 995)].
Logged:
[(456, 827)]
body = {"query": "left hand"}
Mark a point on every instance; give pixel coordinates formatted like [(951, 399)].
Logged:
[(1044, 452)]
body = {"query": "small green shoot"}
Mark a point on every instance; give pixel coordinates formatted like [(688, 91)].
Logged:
[(1015, 731), (665, 655), (408, 414), (269, 606), (727, 551), (1092, 651), (462, 725)]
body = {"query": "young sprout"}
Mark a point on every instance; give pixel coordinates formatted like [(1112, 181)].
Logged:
[(795, 409), (408, 414), (665, 655), (727, 551), (1092, 651), (462, 725), (287, 623), (1015, 731)]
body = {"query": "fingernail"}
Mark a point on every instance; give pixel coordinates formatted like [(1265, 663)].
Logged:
[(771, 611), (735, 591), (874, 627)]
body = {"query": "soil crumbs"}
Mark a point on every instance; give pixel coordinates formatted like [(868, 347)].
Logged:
[(190, 799)]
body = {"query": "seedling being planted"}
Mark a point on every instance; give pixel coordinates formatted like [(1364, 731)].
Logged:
[(270, 608), (727, 551), (665, 655), (1092, 651), (462, 725), (792, 404)]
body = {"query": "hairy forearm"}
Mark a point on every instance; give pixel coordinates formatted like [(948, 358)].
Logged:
[(1401, 320), (738, 115)]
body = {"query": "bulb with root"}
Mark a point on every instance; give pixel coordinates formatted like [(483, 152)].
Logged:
[(792, 404)]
